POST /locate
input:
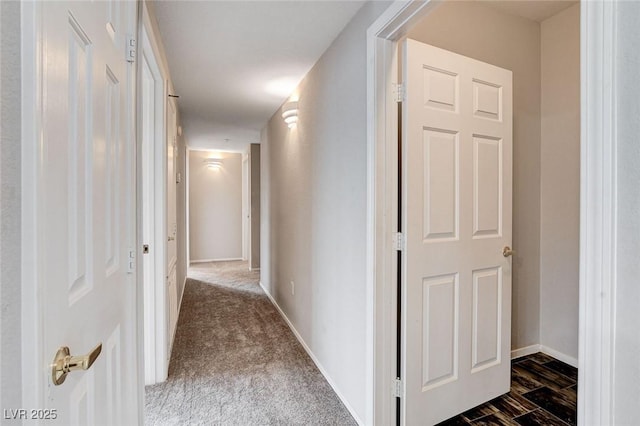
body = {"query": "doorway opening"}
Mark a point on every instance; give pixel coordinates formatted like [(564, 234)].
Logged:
[(554, 134), (223, 205)]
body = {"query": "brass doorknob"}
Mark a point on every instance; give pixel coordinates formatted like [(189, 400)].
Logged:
[(64, 363), (506, 251)]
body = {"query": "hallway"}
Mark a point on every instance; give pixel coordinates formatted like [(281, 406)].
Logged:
[(235, 361)]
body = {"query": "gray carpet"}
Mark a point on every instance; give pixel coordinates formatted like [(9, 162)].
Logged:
[(235, 361)]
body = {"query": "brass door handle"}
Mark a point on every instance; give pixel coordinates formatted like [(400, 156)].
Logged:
[(506, 251), (64, 363)]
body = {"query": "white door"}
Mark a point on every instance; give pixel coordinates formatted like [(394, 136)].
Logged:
[(86, 210), (172, 224), (151, 83), (456, 180)]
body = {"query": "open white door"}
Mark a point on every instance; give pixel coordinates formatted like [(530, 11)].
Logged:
[(456, 180), (85, 213)]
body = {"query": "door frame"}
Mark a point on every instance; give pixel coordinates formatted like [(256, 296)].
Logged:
[(154, 296), (597, 209)]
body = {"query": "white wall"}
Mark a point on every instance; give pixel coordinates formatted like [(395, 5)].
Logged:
[(560, 182), (511, 42), (314, 213), (10, 211), (203, 134), (215, 207), (627, 339)]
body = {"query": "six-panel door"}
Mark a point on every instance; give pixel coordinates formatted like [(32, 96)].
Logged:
[(457, 150)]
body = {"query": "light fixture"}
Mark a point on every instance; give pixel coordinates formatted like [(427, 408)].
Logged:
[(213, 163), (290, 113)]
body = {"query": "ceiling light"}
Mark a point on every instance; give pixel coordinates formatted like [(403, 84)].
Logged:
[(213, 163), (290, 113)]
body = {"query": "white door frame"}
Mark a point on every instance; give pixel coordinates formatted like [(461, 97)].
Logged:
[(597, 213), (153, 310), (33, 389), (597, 274)]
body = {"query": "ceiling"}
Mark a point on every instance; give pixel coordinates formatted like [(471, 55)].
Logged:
[(535, 10), (233, 63)]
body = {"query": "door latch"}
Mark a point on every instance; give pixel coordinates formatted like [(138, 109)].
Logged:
[(64, 363)]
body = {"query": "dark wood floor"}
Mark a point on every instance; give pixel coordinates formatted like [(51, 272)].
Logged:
[(543, 392)]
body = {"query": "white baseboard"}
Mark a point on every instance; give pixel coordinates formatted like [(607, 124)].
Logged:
[(231, 259), (530, 350), (559, 356), (313, 357), (254, 269), (527, 350)]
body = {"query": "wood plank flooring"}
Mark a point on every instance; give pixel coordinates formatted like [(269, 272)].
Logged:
[(543, 392)]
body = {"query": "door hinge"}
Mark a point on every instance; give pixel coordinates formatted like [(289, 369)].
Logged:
[(397, 388), (398, 92), (398, 241), (131, 261), (132, 44)]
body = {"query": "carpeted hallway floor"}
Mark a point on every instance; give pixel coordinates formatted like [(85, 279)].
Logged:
[(235, 361)]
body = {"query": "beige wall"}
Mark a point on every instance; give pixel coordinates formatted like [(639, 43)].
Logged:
[(215, 207), (510, 42), (254, 202), (560, 182), (314, 182)]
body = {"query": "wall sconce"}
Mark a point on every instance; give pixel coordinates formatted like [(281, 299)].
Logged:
[(213, 163), (290, 113)]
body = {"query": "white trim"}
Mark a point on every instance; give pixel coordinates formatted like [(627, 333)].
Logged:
[(527, 350), (597, 214), (230, 259), (32, 332), (253, 269), (382, 198), (567, 359), (312, 356), (530, 350)]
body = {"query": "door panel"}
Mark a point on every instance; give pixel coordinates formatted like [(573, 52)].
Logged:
[(86, 221), (487, 186), (457, 217), (441, 184), (440, 330)]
